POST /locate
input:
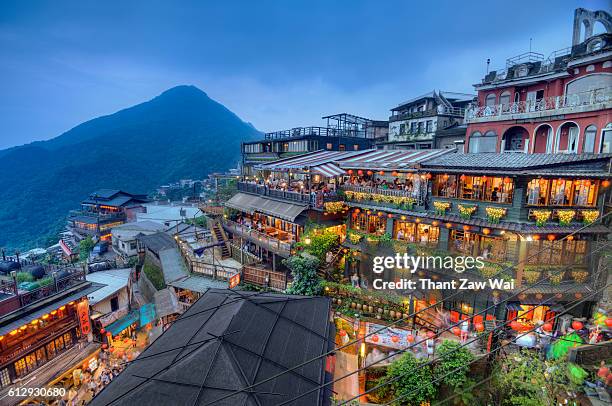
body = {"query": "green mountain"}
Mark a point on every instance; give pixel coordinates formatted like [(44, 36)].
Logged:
[(181, 133)]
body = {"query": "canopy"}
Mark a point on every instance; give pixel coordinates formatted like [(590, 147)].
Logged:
[(118, 326), (391, 159), (251, 204), (318, 159)]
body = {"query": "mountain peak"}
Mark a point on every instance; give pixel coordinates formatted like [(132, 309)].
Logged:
[(184, 90)]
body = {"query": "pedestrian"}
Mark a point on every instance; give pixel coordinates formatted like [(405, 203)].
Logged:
[(465, 326)]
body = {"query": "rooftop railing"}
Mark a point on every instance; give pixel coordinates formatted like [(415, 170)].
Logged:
[(313, 199), (589, 99), (440, 110), (315, 131)]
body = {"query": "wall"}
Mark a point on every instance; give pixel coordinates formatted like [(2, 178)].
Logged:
[(104, 306)]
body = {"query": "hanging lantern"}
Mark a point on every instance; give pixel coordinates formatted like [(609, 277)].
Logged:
[(445, 176), (577, 325), (395, 339), (394, 173), (550, 237), (374, 338), (448, 225), (605, 183), (484, 178), (380, 214), (587, 183), (535, 237), (548, 327), (403, 218), (462, 178), (356, 211), (466, 228), (381, 173), (486, 231), (350, 171), (360, 172), (410, 338), (428, 176), (408, 176), (111, 349), (456, 331), (104, 346), (507, 180), (370, 172), (479, 327), (102, 331), (417, 220), (570, 237), (390, 215)]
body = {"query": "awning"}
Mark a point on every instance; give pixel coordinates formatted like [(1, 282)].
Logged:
[(309, 161), (514, 306), (251, 203), (118, 326), (391, 159), (328, 170)]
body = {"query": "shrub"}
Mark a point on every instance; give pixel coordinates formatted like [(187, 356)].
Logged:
[(453, 357), (24, 277), (412, 380), (154, 274), (305, 279)]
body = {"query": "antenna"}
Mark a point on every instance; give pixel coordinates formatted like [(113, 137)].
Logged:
[(530, 39), (488, 63)]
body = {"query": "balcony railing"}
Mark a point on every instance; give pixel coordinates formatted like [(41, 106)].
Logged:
[(590, 100), (314, 200), (258, 238), (315, 131), (104, 217), (373, 193)]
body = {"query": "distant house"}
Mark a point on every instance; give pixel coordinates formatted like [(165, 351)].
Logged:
[(241, 337), (124, 236), (168, 214), (115, 295), (103, 210)]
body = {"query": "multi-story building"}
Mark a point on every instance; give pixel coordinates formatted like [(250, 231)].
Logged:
[(425, 122), (343, 132), (559, 104), (103, 210)]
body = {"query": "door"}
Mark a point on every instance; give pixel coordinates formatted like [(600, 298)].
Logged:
[(531, 101)]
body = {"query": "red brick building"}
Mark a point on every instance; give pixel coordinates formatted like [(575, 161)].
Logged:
[(560, 104)]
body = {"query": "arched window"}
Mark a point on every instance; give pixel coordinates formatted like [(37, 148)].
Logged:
[(483, 143), (589, 139), (504, 98), (606, 139), (490, 100)]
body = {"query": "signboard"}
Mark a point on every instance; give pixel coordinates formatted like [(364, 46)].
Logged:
[(234, 281), (83, 313), (389, 337), (147, 314)]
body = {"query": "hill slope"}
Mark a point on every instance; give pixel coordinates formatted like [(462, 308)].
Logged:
[(180, 134)]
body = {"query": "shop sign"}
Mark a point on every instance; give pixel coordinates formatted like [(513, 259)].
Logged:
[(234, 281), (389, 337), (83, 313), (147, 314)]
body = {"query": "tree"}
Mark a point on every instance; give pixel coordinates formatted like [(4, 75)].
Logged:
[(305, 279), (322, 243), (413, 380), (454, 363), (85, 247)]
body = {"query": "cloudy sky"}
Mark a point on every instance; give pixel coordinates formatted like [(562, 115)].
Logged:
[(277, 64)]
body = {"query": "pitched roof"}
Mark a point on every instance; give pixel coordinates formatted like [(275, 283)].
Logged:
[(226, 341), (113, 281), (392, 159), (157, 242), (511, 160)]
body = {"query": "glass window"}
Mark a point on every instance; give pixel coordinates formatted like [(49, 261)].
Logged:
[(421, 126), (480, 143), (589, 139), (429, 126), (504, 98), (413, 232), (486, 188), (606, 142), (444, 185), (585, 193), (370, 223), (490, 100), (413, 127), (5, 378), (537, 190), (560, 192)]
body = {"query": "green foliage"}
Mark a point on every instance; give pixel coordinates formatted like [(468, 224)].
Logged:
[(413, 381), (154, 274), (198, 221), (180, 134), (453, 357), (85, 247), (305, 279), (46, 281), (24, 277), (322, 243), (524, 380)]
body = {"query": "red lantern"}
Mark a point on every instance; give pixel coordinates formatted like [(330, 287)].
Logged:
[(550, 237), (395, 339), (390, 215), (127, 340), (507, 180), (462, 178), (410, 338), (431, 334), (456, 331), (374, 338), (609, 322), (104, 346), (428, 176), (605, 183), (577, 325), (108, 334), (117, 338), (381, 173), (370, 172), (380, 214), (548, 327), (102, 331), (515, 325), (112, 349), (360, 172), (350, 171), (342, 333), (394, 173), (479, 327), (466, 228), (486, 231)]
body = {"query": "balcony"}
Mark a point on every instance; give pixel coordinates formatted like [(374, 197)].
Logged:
[(439, 111), (387, 198), (260, 239), (315, 131), (313, 200), (94, 217), (598, 99)]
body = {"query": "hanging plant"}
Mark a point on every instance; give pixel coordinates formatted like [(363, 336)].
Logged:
[(334, 207), (466, 211), (541, 217), (441, 207), (494, 214), (566, 216), (589, 216)]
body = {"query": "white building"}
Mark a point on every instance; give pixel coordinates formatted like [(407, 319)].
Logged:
[(124, 236), (115, 295)]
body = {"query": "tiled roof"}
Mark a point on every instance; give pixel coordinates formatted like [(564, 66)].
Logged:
[(510, 160)]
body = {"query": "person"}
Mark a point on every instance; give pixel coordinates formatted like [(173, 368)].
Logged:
[(430, 344), (400, 234), (355, 280), (465, 327), (494, 194)]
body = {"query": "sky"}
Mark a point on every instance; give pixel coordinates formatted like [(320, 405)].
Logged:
[(276, 64)]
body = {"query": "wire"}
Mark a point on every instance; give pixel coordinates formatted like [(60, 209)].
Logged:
[(447, 329), (385, 328), (579, 301)]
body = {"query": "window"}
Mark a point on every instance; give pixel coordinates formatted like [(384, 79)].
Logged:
[(589, 139), (606, 142), (429, 126), (413, 232), (562, 192), (413, 127), (537, 190), (444, 185), (114, 302), (557, 252), (585, 84), (585, 193), (329, 145), (355, 147), (341, 147), (504, 98), (421, 127), (486, 188), (490, 100), (133, 245), (402, 129), (480, 143), (5, 378), (370, 223)]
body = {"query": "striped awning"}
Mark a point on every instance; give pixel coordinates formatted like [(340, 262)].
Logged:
[(250, 204), (391, 159), (310, 161), (328, 170)]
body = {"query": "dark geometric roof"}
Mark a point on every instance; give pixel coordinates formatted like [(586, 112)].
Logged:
[(511, 160), (229, 340), (157, 242), (113, 197)]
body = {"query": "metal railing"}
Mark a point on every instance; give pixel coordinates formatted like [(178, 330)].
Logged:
[(440, 110), (572, 100), (315, 131), (257, 237), (313, 199), (95, 215), (417, 193)]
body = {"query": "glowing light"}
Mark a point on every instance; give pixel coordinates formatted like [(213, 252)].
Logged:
[(14, 332), (448, 225)]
